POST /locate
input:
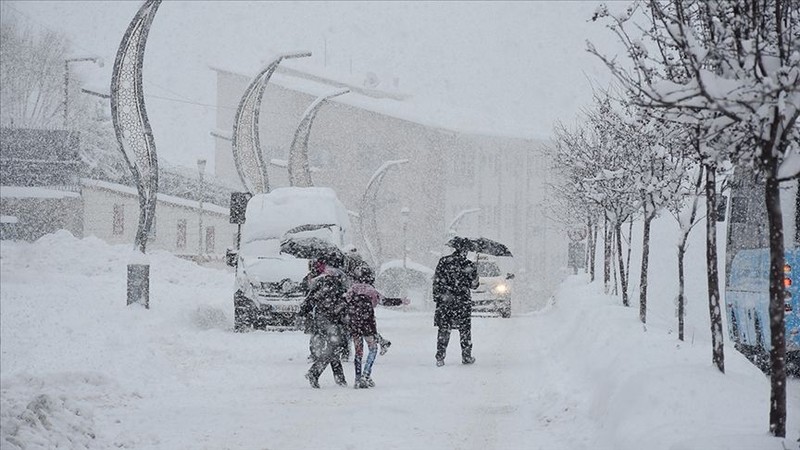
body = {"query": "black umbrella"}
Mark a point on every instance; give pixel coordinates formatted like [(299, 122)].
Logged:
[(490, 247), (309, 227), (480, 245), (313, 248)]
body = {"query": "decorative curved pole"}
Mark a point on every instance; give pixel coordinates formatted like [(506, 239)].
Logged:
[(246, 144), (451, 229), (130, 118), (369, 201), (299, 172)]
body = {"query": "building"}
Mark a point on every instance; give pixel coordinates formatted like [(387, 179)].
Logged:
[(42, 190), (455, 164)]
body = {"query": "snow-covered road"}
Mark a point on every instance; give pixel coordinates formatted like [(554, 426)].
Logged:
[(80, 369)]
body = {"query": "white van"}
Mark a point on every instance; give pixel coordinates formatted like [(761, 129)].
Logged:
[(268, 282)]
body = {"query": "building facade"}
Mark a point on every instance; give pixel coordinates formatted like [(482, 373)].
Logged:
[(451, 168), (42, 191)]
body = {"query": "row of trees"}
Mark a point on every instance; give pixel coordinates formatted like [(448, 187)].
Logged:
[(703, 87)]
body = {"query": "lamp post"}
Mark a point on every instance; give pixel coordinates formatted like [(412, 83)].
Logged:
[(201, 168), (67, 62), (404, 213)]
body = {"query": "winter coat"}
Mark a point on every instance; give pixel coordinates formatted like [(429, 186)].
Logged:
[(361, 301), (455, 276), (326, 309)]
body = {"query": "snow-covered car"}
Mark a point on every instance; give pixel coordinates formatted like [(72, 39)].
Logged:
[(413, 282), (493, 295), (269, 287)]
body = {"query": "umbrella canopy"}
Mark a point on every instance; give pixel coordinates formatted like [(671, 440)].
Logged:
[(313, 248), (479, 245), (310, 227)]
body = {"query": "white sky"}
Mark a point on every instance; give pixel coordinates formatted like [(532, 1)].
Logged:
[(524, 61)]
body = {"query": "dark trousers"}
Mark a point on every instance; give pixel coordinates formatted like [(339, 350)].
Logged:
[(465, 335), (321, 363)]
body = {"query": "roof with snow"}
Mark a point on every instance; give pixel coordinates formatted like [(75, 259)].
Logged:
[(210, 207), (35, 192), (386, 101)]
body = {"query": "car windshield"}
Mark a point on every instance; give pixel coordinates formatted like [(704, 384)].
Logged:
[(488, 269)]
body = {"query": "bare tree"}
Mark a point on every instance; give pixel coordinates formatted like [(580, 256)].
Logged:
[(31, 76)]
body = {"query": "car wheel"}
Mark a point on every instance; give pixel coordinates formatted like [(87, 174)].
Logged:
[(505, 311)]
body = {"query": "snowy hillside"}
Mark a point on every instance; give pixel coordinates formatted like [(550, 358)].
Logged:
[(80, 369)]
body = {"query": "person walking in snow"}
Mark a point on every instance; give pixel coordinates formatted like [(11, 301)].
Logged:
[(453, 280), (360, 272), (326, 308), (362, 298)]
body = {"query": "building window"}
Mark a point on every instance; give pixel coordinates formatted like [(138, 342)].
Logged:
[(181, 240), (118, 222), (210, 239)]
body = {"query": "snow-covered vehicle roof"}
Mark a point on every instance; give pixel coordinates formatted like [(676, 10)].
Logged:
[(271, 215)]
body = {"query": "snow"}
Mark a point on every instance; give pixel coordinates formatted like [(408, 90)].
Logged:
[(210, 207), (269, 216), (79, 368), (8, 219), (35, 192), (398, 264)]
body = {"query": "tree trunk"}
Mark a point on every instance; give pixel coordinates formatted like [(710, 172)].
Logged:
[(622, 277), (628, 258), (614, 264), (681, 285), (717, 354), (593, 255), (606, 256), (648, 218), (588, 245), (777, 327)]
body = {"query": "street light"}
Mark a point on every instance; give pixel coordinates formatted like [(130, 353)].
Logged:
[(404, 213), (67, 62), (451, 229), (201, 168)]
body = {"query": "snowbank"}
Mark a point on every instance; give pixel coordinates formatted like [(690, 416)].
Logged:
[(80, 369)]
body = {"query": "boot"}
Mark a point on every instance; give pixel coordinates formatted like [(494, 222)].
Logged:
[(439, 362), (468, 359), (385, 347), (312, 380)]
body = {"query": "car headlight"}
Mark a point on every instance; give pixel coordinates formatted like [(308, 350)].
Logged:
[(500, 289)]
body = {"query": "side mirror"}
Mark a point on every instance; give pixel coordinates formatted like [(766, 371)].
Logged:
[(509, 276), (231, 256)]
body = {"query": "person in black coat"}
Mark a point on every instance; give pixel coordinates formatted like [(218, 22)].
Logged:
[(453, 280), (326, 308)]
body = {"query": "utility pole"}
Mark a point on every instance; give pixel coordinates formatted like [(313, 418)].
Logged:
[(201, 168)]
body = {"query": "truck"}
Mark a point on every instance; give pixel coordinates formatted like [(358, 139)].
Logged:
[(269, 284)]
